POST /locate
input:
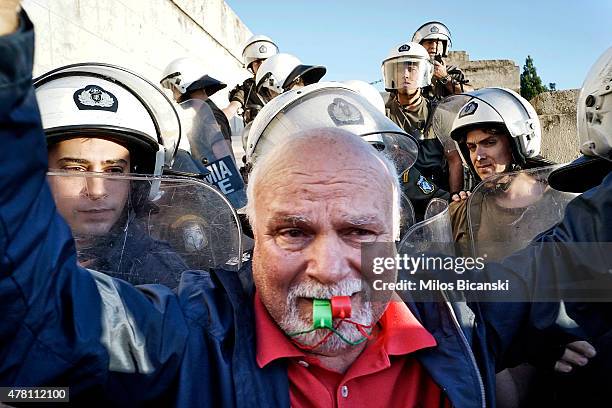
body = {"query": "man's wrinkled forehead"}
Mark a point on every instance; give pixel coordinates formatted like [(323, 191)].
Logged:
[(328, 149)]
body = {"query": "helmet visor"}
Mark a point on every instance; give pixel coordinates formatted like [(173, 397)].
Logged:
[(407, 74)]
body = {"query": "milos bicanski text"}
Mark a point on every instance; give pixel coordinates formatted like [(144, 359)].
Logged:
[(439, 264)]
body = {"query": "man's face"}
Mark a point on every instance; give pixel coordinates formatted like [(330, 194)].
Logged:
[(490, 154), (254, 67), (312, 215), (90, 205), (433, 47), (409, 74)]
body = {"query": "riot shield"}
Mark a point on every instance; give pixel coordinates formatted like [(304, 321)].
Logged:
[(433, 234), (442, 118), (210, 151), (506, 211), (119, 231)]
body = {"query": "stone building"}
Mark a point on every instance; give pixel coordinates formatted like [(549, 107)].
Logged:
[(557, 113), (483, 73)]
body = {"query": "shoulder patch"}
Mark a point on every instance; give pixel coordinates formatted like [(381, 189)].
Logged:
[(426, 186), (93, 97), (344, 113)]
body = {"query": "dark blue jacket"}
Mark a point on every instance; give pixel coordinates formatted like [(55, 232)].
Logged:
[(114, 344)]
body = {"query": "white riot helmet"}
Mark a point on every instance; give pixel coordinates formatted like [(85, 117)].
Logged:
[(367, 91), (594, 119), (279, 72), (502, 109), (328, 104), (258, 47), (109, 102), (434, 30), (407, 66), (187, 75)]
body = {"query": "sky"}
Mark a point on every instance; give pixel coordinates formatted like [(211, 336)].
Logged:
[(351, 38)]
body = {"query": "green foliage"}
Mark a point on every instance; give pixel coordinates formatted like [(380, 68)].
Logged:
[(531, 83)]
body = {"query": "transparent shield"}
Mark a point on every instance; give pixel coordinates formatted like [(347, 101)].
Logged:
[(506, 211), (210, 150), (407, 217), (442, 119), (161, 108), (119, 231), (433, 234)]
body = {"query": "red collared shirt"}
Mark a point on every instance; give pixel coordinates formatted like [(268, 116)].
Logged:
[(384, 375)]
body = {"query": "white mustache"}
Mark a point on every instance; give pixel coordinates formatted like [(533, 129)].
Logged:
[(314, 289)]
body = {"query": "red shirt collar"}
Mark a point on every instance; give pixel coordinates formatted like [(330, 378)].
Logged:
[(400, 330)]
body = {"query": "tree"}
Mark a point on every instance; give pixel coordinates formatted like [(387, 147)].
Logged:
[(531, 83)]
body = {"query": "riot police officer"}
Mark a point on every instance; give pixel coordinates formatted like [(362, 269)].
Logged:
[(283, 72), (244, 96), (447, 79), (107, 122), (187, 80), (406, 71)]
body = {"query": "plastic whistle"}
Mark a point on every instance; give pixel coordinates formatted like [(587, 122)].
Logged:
[(325, 310), (321, 314), (341, 307)]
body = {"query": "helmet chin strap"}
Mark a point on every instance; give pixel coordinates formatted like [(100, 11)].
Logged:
[(323, 313)]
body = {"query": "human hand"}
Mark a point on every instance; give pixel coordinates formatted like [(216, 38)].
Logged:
[(439, 69), (576, 353), (461, 195), (9, 16)]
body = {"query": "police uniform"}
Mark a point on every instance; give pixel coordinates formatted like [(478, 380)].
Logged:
[(222, 121), (246, 95), (420, 191), (431, 161)]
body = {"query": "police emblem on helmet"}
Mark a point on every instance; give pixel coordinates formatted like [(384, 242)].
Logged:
[(434, 29), (468, 109), (93, 97), (344, 113), (263, 49), (403, 47)]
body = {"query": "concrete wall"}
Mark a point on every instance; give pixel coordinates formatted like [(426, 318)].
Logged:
[(557, 113), (484, 73), (142, 35)]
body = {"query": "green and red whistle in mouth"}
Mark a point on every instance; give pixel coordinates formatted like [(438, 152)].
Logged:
[(324, 311)]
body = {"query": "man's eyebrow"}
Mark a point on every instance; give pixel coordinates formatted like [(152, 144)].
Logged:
[(73, 160), (483, 140), (363, 220), (116, 161), (293, 219), (84, 161)]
